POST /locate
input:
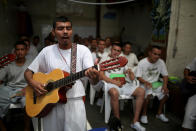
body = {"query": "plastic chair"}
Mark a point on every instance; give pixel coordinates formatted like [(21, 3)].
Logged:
[(92, 94), (93, 90)]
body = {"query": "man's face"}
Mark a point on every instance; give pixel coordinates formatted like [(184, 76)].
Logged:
[(108, 42), (86, 42), (63, 32), (20, 51), (115, 51), (154, 55), (94, 44), (127, 49), (28, 44), (35, 41), (101, 45)]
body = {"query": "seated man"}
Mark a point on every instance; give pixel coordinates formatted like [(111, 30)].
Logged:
[(189, 91), (13, 74), (116, 88), (100, 51), (148, 73), (132, 58)]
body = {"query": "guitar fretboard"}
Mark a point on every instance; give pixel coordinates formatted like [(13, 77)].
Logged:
[(68, 80)]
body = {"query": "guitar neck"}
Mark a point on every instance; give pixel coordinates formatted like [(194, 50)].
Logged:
[(104, 66), (70, 79)]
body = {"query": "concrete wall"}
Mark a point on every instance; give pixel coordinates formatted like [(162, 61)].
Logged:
[(42, 13), (109, 22), (83, 16), (8, 27), (183, 20), (138, 25), (134, 18)]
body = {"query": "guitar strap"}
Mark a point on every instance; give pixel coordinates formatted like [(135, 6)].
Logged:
[(72, 71), (73, 58)]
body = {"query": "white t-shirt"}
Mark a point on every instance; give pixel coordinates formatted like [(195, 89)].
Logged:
[(50, 58), (151, 71), (108, 50), (94, 56), (132, 60), (32, 53)]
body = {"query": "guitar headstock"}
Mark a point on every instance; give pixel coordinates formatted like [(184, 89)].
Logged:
[(4, 60), (113, 63)]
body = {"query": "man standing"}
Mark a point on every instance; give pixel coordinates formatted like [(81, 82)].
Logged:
[(148, 72), (70, 116)]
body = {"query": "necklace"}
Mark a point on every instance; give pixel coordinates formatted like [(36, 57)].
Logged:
[(63, 57)]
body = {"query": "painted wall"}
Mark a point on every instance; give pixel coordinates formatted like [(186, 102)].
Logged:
[(182, 34), (42, 14), (109, 22), (130, 21), (81, 15)]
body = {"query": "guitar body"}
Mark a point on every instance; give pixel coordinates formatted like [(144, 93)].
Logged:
[(44, 102)]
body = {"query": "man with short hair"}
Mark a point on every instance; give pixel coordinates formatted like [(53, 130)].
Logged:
[(120, 86), (132, 58), (148, 72), (108, 44), (69, 116), (93, 49), (100, 51), (12, 91), (189, 92), (36, 43)]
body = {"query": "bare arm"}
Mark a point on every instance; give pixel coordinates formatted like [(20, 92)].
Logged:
[(37, 86), (146, 83), (165, 80), (164, 88), (28, 74)]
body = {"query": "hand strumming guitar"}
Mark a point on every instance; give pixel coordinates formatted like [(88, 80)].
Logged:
[(38, 87)]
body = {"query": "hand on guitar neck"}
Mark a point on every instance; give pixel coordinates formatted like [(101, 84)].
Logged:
[(93, 74)]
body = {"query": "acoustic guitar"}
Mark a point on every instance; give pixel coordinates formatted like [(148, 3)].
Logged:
[(5, 60), (55, 81)]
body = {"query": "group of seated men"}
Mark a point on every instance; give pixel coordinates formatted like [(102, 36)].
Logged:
[(147, 72), (151, 73)]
